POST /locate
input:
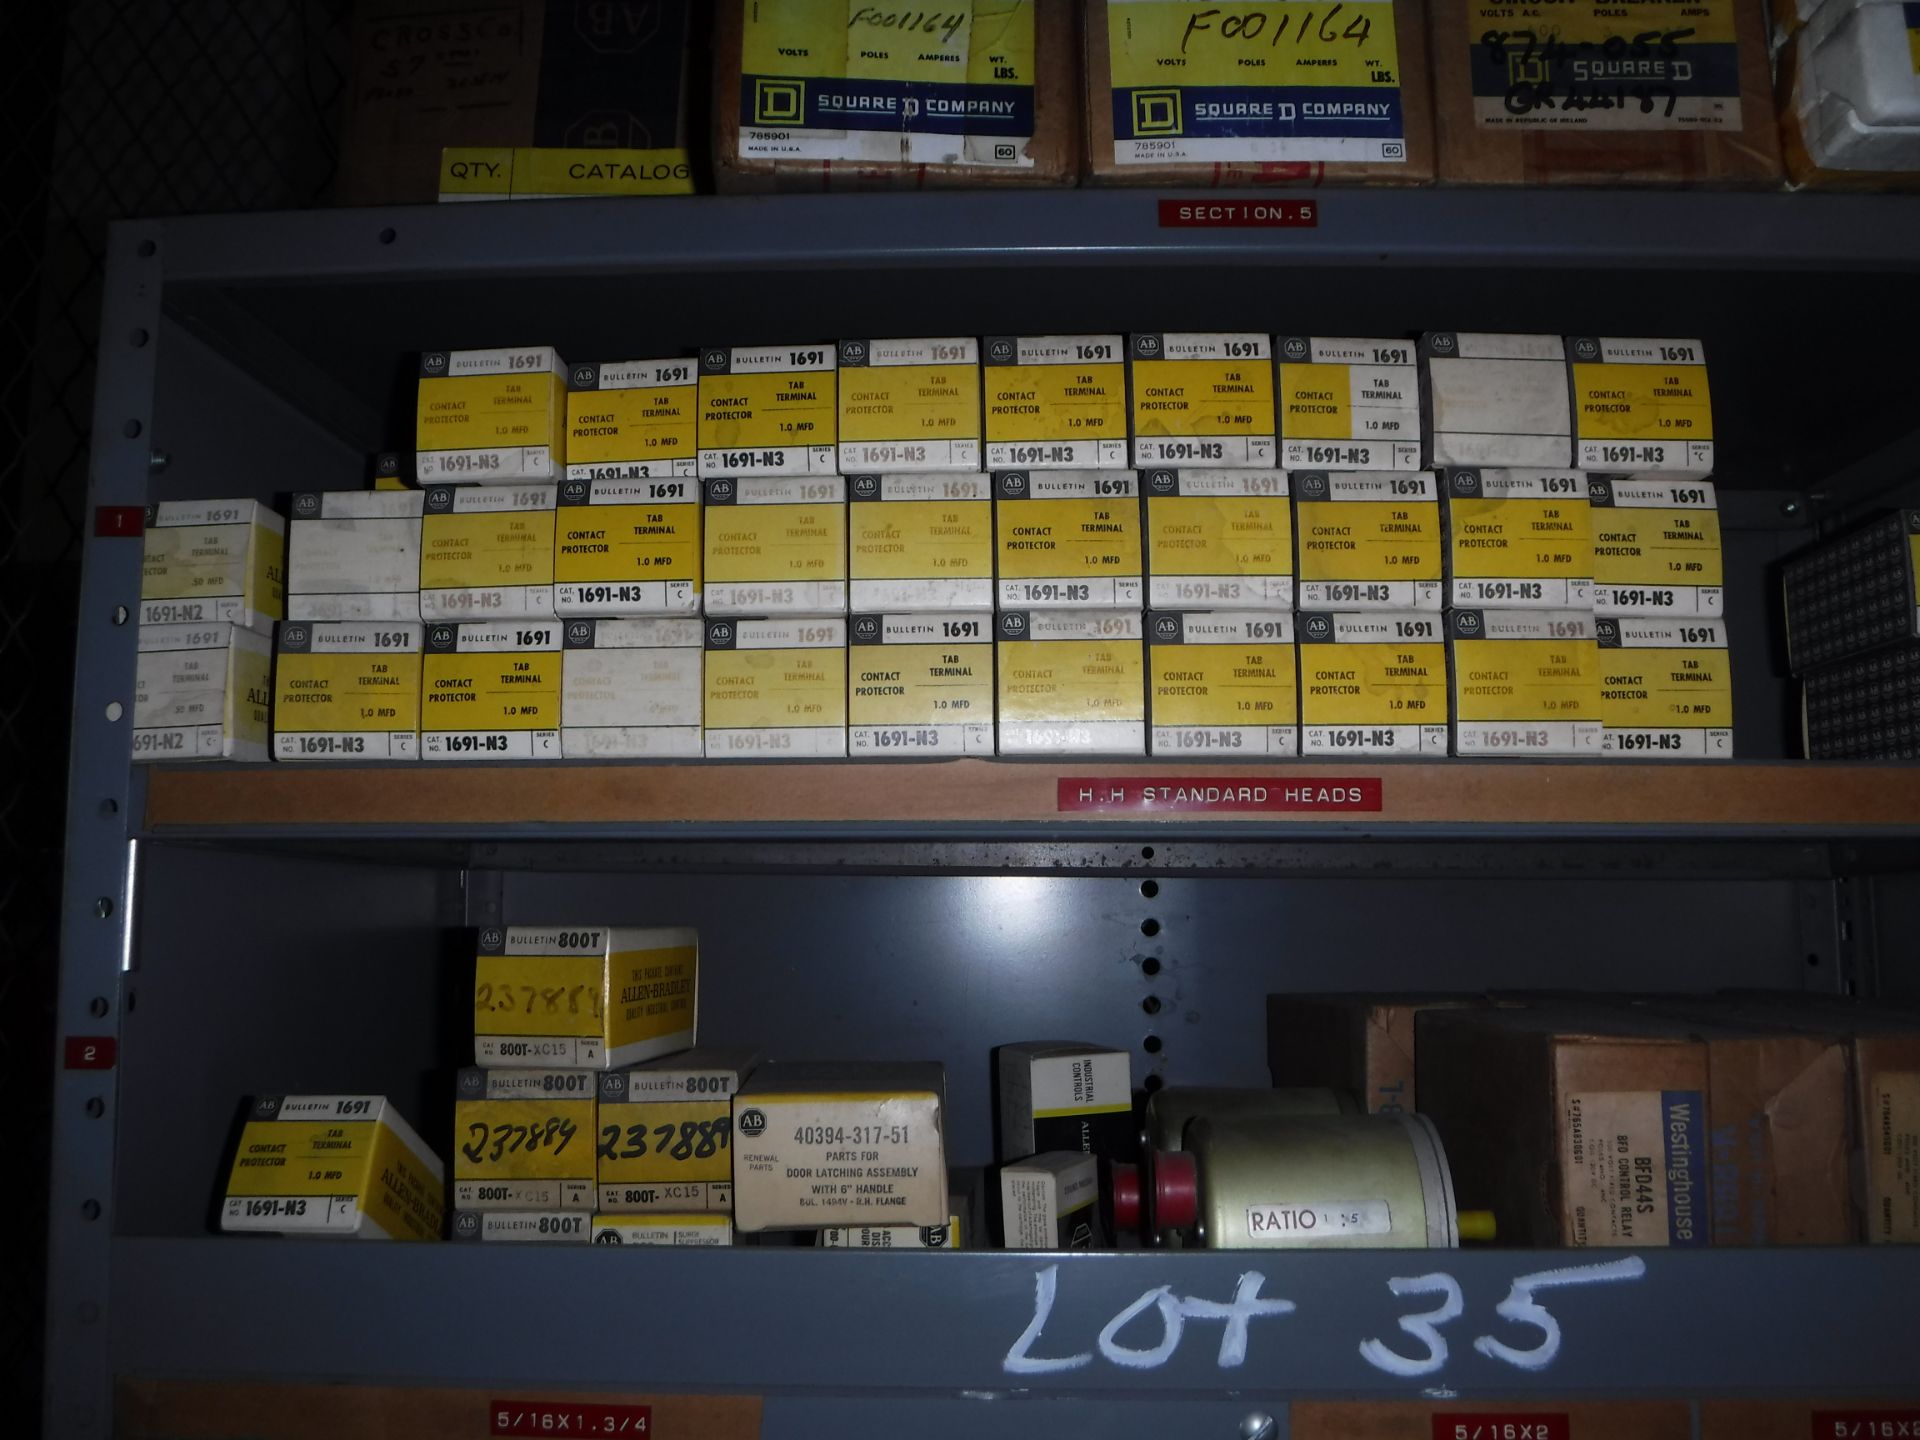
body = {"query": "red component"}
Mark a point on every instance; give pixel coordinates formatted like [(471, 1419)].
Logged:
[(1239, 214), (568, 1418), (1502, 1425), (1125, 1185), (113, 522), (1176, 1191), (1218, 794), (91, 1052), (1828, 1424)]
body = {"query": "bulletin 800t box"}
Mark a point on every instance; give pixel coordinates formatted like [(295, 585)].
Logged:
[(585, 997)]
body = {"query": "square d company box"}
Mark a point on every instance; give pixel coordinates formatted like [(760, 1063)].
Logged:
[(588, 997), (1071, 682), (491, 691), (1561, 100), (1051, 1201), (491, 417), (666, 1132), (346, 691), (776, 688), (1575, 1126), (631, 688), (202, 692), (1222, 682), (1363, 1044), (492, 78), (1348, 404), (1055, 402), (920, 684), (1065, 1095), (523, 1139), (211, 560), (333, 1166), (355, 555), (1171, 99), (1496, 400), (840, 1143)]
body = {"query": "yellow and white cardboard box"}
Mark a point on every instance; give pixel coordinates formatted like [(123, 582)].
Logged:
[(486, 552), (523, 1139), (1656, 547), (920, 542), (1518, 539), (347, 690), (776, 688), (627, 547), (202, 692), (1222, 682), (910, 405), (776, 545), (584, 997), (1641, 406), (1666, 688), (707, 1229), (894, 1237), (1056, 402), (333, 1166), (1219, 538), (1068, 539), (666, 1133), (523, 1227), (1525, 682), (354, 555), (208, 560), (840, 1143), (491, 417), (1071, 682), (1348, 404), (491, 691), (1203, 400), (1372, 684), (769, 409), (631, 688), (920, 684), (1496, 399), (633, 420), (1368, 542)]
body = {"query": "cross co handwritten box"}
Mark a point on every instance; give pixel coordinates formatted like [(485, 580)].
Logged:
[(587, 997)]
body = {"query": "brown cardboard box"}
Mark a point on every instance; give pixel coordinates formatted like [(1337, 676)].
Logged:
[(1358, 1043), (428, 74), (1550, 144), (1409, 63), (1053, 147), (1575, 1126), (1488, 1419)]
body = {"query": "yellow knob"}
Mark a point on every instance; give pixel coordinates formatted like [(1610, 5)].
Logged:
[(1477, 1225)]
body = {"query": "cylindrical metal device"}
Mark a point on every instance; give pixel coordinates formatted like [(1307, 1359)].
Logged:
[(1170, 1111), (1345, 1182)]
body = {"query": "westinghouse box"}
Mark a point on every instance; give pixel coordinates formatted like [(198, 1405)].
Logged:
[(666, 1132), (202, 692), (920, 684), (1525, 682), (1071, 682), (776, 687), (1372, 684), (631, 688), (1219, 538), (627, 547), (491, 417), (523, 1139), (587, 997), (1056, 402), (333, 1166), (209, 560), (1576, 1127), (1222, 682), (1666, 688), (920, 542), (844, 1143), (354, 555), (346, 691)]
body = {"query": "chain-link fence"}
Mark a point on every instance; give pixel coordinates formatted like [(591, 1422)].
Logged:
[(112, 108)]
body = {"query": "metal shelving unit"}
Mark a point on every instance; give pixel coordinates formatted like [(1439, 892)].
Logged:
[(233, 929)]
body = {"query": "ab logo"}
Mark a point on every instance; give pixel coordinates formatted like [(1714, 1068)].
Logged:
[(753, 1122)]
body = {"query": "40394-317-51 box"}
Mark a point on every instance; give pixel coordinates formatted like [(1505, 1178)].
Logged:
[(589, 997)]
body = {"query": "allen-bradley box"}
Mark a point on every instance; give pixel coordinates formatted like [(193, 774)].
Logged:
[(1372, 684), (333, 1166), (1348, 404), (776, 688), (354, 555), (920, 542), (1367, 541), (1068, 539), (584, 997), (910, 405), (1525, 682), (1666, 688), (920, 684), (1496, 400), (632, 420), (776, 545), (1219, 538), (1203, 400), (1518, 539), (347, 691), (1071, 682), (491, 691), (1656, 547), (486, 552), (202, 692), (523, 1139), (1056, 402), (212, 560), (627, 547), (666, 1132), (1222, 682), (631, 688), (491, 417), (769, 409)]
